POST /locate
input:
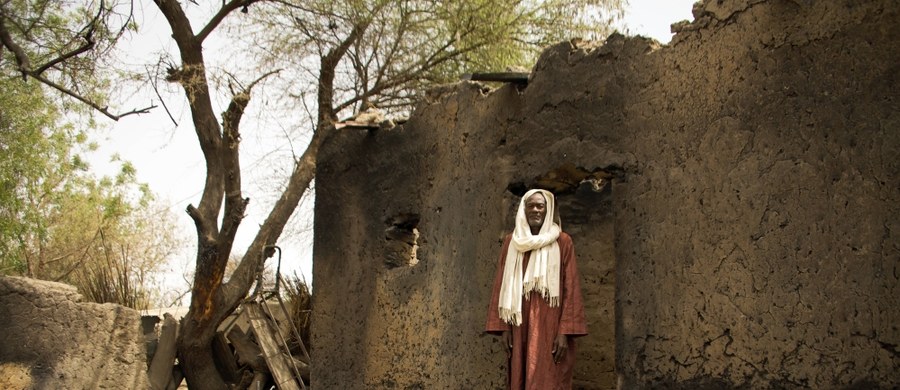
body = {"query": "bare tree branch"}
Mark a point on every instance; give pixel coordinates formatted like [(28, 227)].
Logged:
[(24, 64), (327, 73), (192, 77), (87, 46), (304, 171), (302, 175), (410, 73), (234, 204), (226, 9), (103, 110), (261, 78), (162, 101)]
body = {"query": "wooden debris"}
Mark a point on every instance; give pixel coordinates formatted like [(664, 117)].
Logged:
[(278, 363), (350, 124), (248, 352), (160, 372), (176, 379), (224, 358)]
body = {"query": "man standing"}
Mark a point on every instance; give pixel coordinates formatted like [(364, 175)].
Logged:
[(536, 300)]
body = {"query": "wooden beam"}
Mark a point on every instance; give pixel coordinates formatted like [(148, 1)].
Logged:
[(277, 361), (356, 125), (503, 77), (224, 358)]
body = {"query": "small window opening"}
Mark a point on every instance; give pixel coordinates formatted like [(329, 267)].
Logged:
[(402, 240)]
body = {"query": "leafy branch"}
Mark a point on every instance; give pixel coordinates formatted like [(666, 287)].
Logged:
[(24, 63)]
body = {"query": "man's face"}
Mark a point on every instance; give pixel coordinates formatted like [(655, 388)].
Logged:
[(535, 210)]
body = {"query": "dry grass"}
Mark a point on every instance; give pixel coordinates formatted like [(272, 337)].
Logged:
[(298, 300)]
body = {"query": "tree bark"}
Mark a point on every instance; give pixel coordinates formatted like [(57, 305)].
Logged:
[(199, 367), (222, 172)]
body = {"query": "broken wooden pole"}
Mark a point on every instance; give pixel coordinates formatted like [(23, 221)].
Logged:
[(176, 379), (350, 124), (224, 358), (160, 372)]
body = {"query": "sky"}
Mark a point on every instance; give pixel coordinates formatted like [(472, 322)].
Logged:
[(168, 158), (652, 18)]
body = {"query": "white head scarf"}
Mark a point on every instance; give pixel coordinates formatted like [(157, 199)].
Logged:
[(542, 274)]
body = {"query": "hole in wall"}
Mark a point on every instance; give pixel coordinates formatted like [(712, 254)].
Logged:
[(401, 240)]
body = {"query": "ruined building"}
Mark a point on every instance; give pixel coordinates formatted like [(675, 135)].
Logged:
[(733, 198)]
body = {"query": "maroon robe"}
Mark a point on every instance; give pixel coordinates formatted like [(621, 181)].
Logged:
[(531, 363)]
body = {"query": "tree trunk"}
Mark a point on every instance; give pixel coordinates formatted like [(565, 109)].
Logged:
[(211, 298), (196, 358)]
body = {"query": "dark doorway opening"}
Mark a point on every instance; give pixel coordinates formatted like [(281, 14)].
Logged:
[(585, 204)]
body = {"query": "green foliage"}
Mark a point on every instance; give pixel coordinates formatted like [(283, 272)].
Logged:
[(33, 168), (45, 29), (64, 44), (409, 45), (57, 221)]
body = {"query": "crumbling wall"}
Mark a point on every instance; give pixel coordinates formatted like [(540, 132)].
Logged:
[(52, 340), (754, 209)]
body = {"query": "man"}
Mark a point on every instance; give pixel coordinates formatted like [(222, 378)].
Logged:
[(536, 301)]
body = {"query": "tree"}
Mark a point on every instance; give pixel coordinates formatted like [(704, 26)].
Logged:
[(411, 45), (364, 51), (62, 45), (58, 222)]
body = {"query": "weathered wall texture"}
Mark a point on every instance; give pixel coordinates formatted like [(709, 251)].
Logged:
[(755, 219), (49, 339)]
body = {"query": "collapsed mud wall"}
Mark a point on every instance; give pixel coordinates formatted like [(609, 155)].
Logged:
[(749, 237), (50, 339)]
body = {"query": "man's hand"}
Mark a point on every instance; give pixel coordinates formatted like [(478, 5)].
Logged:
[(560, 347)]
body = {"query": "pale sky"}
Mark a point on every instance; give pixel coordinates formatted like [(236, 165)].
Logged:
[(168, 158), (652, 18)]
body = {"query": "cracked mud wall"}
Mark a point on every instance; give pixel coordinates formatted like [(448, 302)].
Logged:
[(52, 340), (755, 223)]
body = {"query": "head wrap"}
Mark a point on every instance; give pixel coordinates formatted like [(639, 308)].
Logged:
[(542, 273)]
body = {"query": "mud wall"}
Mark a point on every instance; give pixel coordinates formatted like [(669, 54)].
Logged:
[(49, 339), (754, 213)]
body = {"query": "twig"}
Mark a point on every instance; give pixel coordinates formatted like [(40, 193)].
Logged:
[(83, 49), (161, 100), (88, 31), (217, 18), (103, 110), (25, 67)]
